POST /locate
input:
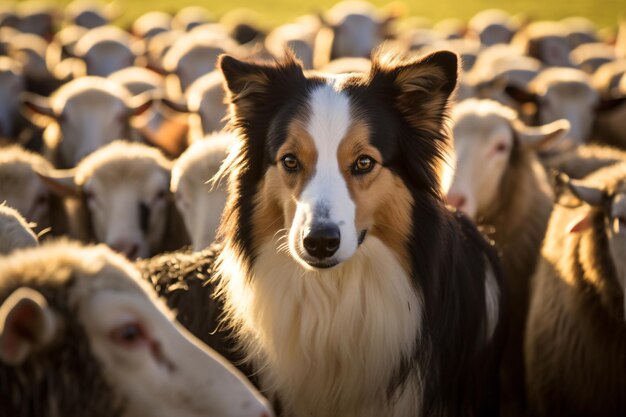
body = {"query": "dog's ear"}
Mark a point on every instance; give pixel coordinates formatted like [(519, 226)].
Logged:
[(257, 86), (421, 87)]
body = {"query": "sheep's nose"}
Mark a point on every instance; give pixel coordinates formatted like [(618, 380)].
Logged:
[(322, 241), (457, 201), (126, 248)]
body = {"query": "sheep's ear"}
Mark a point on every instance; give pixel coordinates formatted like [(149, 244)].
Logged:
[(540, 137), (590, 195), (421, 87), (177, 106), (60, 181), (141, 103), (254, 89), (35, 107), (580, 223), (27, 324)]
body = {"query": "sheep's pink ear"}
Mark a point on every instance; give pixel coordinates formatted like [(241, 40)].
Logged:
[(60, 181), (583, 222), (27, 324)]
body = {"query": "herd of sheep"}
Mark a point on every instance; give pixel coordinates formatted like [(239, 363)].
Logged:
[(112, 136)]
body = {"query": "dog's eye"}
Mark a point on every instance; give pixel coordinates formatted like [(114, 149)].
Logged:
[(291, 163), (363, 165)]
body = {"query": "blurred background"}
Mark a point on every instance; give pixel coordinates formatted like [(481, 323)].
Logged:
[(274, 12)]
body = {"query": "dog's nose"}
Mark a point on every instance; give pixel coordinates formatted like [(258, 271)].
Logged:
[(322, 241)]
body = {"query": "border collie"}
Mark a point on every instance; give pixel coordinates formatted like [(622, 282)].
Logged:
[(350, 287)]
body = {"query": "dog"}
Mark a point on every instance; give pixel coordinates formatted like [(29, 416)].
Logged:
[(350, 288)]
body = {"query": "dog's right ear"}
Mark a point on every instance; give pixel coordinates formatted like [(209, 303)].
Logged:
[(255, 87)]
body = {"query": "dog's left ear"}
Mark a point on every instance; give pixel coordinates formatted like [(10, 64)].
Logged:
[(421, 87)]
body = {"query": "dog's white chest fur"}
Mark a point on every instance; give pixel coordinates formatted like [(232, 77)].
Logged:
[(327, 343)]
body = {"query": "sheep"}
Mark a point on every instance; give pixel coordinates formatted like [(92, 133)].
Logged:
[(36, 17), (351, 28), (84, 115), (201, 207), (82, 334), (30, 51), (496, 68), (151, 23), (575, 336), (157, 47), (90, 14), (193, 55), (12, 84), (204, 104), (562, 93), (106, 49), (23, 189), (500, 183), (580, 31), (298, 36), (121, 198), (583, 160), (62, 47), (189, 17), (492, 26), (15, 232), (545, 41), (591, 56)]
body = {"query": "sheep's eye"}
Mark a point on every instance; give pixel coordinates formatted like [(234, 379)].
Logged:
[(161, 195), (501, 147), (363, 165), (291, 163), (128, 335)]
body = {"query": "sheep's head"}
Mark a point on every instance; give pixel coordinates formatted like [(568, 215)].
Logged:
[(81, 334), (603, 193), (84, 115), (124, 189), (488, 139)]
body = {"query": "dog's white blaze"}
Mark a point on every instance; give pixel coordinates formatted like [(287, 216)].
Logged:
[(329, 121), (325, 341)]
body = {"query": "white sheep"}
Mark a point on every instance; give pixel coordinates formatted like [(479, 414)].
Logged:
[(84, 115), (15, 232), (106, 49), (562, 93), (82, 334), (500, 183), (23, 189), (200, 205), (123, 199)]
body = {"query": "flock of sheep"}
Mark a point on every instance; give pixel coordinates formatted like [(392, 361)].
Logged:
[(111, 136)]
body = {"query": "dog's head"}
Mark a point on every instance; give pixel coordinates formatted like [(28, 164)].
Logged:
[(327, 161)]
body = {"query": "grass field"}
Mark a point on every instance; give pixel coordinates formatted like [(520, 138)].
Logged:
[(603, 12)]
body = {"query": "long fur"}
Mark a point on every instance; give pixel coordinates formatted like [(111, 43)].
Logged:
[(376, 335)]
